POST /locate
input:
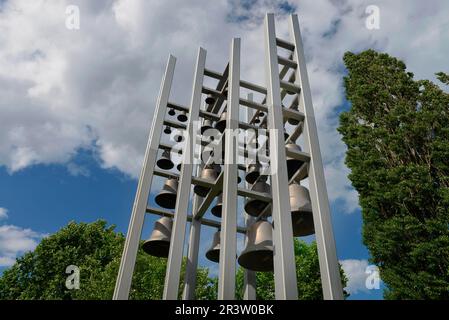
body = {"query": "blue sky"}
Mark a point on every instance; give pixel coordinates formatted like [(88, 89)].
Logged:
[(74, 118)]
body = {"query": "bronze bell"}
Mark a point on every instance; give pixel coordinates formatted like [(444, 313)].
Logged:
[(158, 244), (210, 173), (207, 124), (258, 254), (216, 210), (254, 207), (167, 130), (182, 117), (221, 124), (179, 166), (210, 99), (165, 161), (292, 164), (301, 207), (213, 254), (253, 172), (171, 112), (167, 197)]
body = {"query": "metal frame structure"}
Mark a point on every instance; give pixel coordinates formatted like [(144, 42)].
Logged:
[(284, 75)]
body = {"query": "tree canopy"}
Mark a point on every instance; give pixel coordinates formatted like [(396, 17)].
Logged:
[(96, 250), (397, 137)]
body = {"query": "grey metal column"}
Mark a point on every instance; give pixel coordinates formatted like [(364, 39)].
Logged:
[(249, 276), (228, 234), (284, 256), (126, 269), (182, 201), (192, 255), (329, 266)]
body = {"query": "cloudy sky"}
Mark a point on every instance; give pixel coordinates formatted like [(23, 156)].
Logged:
[(75, 105)]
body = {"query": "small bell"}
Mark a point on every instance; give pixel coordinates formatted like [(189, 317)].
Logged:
[(210, 173), (171, 112), (258, 253), (216, 210), (167, 130), (210, 99), (213, 254), (207, 124), (254, 207), (253, 172), (182, 117), (165, 161), (293, 165), (221, 124), (158, 244), (167, 197), (301, 210)]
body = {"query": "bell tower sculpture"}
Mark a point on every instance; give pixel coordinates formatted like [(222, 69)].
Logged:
[(273, 198)]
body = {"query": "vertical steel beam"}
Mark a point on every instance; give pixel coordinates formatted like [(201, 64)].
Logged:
[(249, 276), (126, 269), (228, 234), (284, 256), (182, 201), (329, 266), (192, 255)]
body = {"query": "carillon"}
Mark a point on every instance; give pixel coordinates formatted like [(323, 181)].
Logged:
[(269, 209)]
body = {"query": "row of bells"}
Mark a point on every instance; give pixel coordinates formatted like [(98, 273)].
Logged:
[(258, 253), (211, 172)]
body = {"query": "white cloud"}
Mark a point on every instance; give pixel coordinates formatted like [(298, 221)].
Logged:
[(15, 241), (96, 88), (3, 213), (356, 272)]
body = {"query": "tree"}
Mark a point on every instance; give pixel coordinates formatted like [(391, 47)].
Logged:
[(96, 250), (397, 135)]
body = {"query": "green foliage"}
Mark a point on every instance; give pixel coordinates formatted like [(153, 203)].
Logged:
[(96, 250), (397, 134)]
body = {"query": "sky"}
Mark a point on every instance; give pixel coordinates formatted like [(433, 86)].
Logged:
[(76, 104)]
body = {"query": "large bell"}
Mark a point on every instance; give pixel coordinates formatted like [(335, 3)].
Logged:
[(216, 210), (221, 124), (165, 161), (254, 207), (301, 207), (158, 244), (182, 117), (292, 164), (213, 254), (167, 197), (253, 172), (207, 124), (209, 172), (210, 99), (258, 254)]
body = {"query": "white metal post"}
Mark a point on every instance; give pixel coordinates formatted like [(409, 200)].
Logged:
[(183, 196), (284, 256), (126, 269), (228, 234), (329, 266), (192, 255), (249, 276)]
